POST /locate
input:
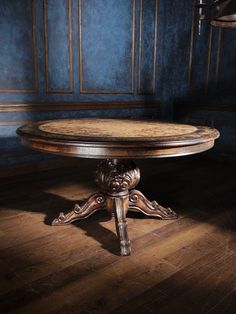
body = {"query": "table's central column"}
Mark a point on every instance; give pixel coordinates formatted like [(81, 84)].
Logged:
[(116, 177)]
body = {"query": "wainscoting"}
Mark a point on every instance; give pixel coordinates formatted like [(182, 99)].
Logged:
[(68, 50), (221, 117), (13, 116), (108, 58)]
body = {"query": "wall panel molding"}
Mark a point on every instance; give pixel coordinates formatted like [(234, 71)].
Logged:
[(191, 45), (82, 89), (225, 71), (206, 39), (35, 69), (218, 56), (37, 107), (38, 166), (140, 52), (205, 106), (213, 50), (47, 43), (208, 61)]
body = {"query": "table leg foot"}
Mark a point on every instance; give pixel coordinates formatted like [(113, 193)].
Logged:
[(138, 202), (91, 205)]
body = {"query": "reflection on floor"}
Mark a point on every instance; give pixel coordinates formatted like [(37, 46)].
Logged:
[(182, 266)]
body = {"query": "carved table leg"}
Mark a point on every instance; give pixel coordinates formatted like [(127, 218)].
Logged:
[(94, 203), (138, 202), (119, 205), (116, 177)]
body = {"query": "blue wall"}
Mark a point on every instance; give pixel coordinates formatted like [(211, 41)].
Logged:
[(210, 96), (78, 50), (63, 52)]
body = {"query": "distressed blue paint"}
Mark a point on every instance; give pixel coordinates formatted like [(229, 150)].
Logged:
[(57, 28), (48, 115), (16, 40), (147, 61), (7, 131), (107, 45), (10, 143), (25, 158), (198, 80), (218, 89), (211, 84), (227, 69), (174, 28)]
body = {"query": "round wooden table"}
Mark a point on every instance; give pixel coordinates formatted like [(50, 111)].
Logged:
[(117, 142)]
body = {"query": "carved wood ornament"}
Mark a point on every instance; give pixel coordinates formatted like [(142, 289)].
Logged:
[(117, 178)]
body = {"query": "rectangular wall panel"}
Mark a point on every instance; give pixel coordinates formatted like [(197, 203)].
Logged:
[(226, 79), (106, 46), (147, 46), (58, 46), (200, 55), (18, 64)]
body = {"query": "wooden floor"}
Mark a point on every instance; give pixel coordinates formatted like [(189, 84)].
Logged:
[(182, 266)]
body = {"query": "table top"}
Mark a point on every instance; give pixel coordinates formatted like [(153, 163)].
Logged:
[(117, 138)]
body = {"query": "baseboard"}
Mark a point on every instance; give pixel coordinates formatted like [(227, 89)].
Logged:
[(39, 166), (222, 157), (209, 107)]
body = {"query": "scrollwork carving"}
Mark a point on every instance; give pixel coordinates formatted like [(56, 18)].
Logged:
[(94, 203), (138, 201), (115, 176)]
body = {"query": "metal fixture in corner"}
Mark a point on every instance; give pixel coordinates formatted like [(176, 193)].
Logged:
[(220, 13)]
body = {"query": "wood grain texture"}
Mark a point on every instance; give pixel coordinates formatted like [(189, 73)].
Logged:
[(183, 266)]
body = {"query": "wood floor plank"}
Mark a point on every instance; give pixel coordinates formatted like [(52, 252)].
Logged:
[(206, 289), (47, 259), (181, 266), (187, 289), (152, 272)]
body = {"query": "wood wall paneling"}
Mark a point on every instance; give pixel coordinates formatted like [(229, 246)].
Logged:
[(212, 62), (107, 34), (119, 43), (200, 55), (51, 107), (75, 58), (221, 117), (226, 65), (18, 56), (148, 13), (58, 46)]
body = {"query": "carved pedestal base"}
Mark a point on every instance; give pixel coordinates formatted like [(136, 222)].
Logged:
[(116, 178)]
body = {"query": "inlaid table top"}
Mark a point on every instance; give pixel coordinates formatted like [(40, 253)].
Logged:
[(117, 138)]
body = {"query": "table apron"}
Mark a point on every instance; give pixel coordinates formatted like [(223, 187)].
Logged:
[(94, 151)]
